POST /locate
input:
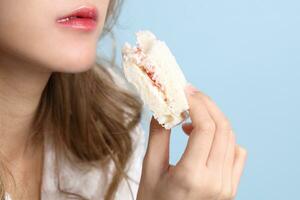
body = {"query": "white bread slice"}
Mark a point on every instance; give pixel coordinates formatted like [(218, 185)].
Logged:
[(153, 70)]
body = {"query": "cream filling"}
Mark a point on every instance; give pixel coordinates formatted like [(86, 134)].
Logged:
[(149, 70), (169, 106)]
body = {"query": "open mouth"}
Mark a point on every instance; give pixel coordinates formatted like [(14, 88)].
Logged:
[(82, 18), (72, 18)]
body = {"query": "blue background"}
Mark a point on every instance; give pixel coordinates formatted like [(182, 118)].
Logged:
[(245, 55)]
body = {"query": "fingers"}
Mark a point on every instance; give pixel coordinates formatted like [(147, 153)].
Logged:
[(202, 135), (227, 189), (223, 128), (198, 111), (218, 151), (219, 123), (211, 141), (156, 159), (238, 167)]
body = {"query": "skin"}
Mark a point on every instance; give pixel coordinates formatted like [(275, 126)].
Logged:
[(211, 165), (32, 47)]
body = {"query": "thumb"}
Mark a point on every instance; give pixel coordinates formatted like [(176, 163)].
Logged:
[(157, 154)]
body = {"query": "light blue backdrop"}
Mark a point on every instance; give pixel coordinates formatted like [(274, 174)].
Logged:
[(245, 54)]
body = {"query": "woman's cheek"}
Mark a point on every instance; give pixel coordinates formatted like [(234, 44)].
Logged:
[(37, 37)]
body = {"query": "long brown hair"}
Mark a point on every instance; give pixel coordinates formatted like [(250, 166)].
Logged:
[(91, 116)]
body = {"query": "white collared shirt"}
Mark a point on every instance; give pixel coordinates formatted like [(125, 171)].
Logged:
[(87, 181)]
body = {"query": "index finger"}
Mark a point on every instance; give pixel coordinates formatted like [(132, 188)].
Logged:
[(202, 136)]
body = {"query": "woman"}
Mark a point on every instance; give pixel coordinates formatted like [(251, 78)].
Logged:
[(69, 129)]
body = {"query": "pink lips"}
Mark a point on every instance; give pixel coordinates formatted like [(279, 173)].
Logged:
[(84, 18)]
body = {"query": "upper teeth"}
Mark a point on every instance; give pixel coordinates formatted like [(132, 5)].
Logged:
[(66, 19)]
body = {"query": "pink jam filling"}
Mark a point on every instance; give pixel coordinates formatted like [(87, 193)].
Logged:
[(150, 72)]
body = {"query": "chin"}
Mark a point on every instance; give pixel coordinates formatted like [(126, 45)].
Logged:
[(72, 60), (77, 64)]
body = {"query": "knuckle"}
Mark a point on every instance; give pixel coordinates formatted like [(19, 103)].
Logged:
[(189, 181), (243, 151), (201, 97), (226, 194), (232, 136), (206, 126), (207, 97), (180, 174), (214, 189), (184, 182), (225, 125)]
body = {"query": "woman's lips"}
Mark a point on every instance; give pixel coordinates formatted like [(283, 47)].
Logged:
[(83, 18)]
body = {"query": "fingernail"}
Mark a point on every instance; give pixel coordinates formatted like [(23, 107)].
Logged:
[(187, 124), (190, 89)]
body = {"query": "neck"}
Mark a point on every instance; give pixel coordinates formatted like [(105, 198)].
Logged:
[(21, 87)]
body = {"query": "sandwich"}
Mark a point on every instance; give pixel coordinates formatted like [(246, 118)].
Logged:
[(153, 70)]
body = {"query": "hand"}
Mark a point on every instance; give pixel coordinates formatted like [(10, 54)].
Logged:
[(211, 165)]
